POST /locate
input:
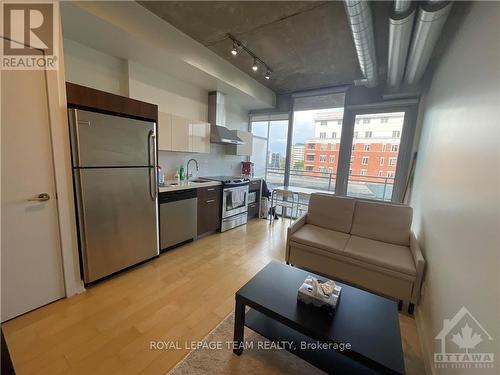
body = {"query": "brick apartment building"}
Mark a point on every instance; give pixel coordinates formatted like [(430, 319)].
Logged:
[(374, 151)]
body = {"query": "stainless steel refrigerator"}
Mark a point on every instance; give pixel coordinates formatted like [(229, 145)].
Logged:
[(114, 171)]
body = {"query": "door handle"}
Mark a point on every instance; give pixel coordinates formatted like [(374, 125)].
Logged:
[(149, 138), (42, 197), (211, 201)]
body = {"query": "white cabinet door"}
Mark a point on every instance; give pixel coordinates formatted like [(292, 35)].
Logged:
[(164, 131), (31, 251), (245, 149), (180, 134), (200, 136), (177, 133)]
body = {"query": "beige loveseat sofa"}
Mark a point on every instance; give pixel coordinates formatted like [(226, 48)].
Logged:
[(363, 243)]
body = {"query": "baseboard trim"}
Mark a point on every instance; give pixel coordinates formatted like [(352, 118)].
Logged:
[(427, 353)]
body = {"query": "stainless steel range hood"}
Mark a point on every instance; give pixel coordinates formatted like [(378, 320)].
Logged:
[(217, 118)]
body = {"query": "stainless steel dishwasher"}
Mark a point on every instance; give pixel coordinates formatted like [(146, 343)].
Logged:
[(178, 217)]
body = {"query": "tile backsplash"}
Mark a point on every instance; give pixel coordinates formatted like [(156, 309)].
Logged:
[(212, 164)]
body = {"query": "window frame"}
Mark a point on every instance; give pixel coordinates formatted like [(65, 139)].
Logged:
[(410, 108), (345, 149)]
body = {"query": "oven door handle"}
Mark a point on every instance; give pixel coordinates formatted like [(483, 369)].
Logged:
[(233, 188)]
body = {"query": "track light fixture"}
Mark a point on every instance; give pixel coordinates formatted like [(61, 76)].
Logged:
[(255, 67), (234, 51), (237, 46)]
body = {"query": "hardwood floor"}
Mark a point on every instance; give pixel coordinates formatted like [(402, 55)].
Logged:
[(181, 296)]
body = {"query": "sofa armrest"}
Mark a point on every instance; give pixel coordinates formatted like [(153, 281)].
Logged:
[(419, 260), (294, 227)]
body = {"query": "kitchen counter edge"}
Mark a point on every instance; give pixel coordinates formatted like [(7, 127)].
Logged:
[(187, 186)]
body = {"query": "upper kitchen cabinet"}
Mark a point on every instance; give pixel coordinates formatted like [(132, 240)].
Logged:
[(164, 131), (177, 133), (243, 149), (200, 136), (180, 134)]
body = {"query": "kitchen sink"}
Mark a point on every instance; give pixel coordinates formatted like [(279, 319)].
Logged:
[(198, 181)]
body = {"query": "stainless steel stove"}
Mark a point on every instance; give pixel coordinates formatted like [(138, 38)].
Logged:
[(234, 200)]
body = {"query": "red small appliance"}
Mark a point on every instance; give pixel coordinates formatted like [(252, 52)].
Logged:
[(247, 168)]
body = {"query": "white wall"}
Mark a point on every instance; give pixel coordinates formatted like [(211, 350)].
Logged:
[(127, 30), (89, 67), (456, 190)]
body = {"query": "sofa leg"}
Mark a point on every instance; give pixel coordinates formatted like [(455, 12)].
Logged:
[(411, 308)]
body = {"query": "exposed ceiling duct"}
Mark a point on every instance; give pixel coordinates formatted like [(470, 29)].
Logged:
[(400, 31), (429, 23), (360, 19), (402, 6)]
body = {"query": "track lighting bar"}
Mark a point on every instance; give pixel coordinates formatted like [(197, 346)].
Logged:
[(237, 45)]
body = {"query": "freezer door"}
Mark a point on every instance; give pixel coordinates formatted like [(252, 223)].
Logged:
[(117, 219), (99, 140)]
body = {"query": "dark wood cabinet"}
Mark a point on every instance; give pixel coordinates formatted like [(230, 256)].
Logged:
[(83, 97), (209, 209)]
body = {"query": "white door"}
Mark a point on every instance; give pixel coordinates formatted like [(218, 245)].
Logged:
[(31, 261)]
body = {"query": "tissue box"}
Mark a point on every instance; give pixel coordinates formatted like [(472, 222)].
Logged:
[(307, 294)]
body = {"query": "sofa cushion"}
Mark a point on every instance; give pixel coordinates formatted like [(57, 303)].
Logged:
[(331, 212), (321, 238), (383, 254), (383, 222)]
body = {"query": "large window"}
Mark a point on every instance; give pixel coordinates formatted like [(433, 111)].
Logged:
[(373, 178), (317, 126), (269, 147), (359, 151)]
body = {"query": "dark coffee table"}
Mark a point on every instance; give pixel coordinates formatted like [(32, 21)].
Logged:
[(369, 323)]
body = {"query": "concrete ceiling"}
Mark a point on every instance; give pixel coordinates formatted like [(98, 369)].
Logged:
[(308, 44)]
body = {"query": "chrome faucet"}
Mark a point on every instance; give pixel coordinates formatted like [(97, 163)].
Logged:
[(187, 168)]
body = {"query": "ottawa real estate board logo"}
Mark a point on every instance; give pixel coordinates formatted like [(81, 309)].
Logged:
[(29, 35), (464, 344)]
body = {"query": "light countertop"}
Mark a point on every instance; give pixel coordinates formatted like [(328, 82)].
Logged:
[(172, 185), (184, 185)]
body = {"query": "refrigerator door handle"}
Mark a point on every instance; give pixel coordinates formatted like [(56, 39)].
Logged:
[(152, 165), (155, 187), (150, 137)]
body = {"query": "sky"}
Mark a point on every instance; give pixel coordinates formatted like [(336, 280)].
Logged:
[(303, 128)]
